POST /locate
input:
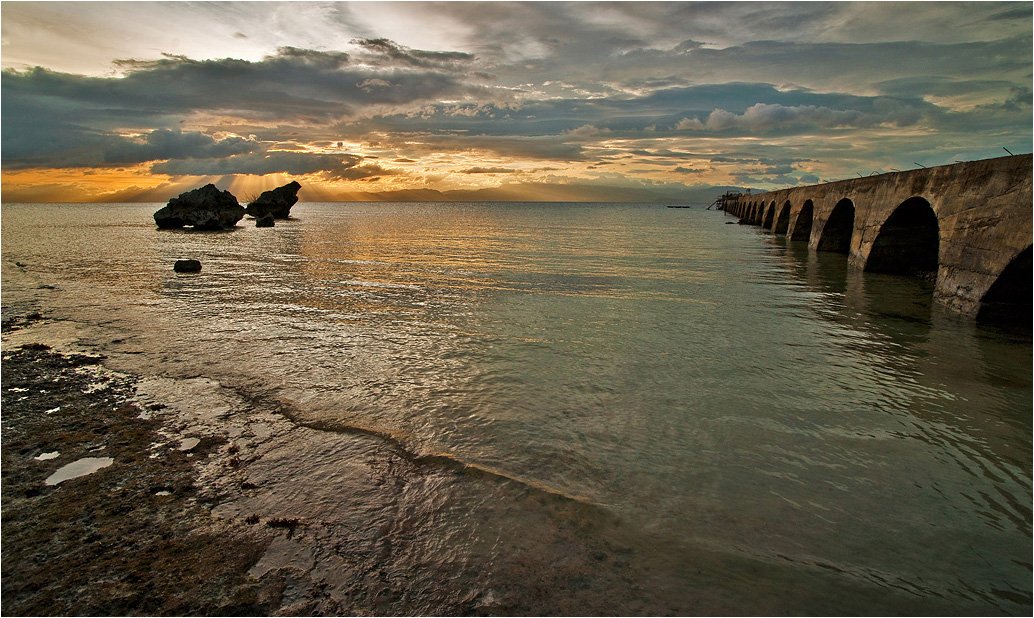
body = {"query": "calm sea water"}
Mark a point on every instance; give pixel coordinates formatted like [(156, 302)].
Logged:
[(653, 412)]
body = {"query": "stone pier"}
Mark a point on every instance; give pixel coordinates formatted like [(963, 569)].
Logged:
[(967, 224)]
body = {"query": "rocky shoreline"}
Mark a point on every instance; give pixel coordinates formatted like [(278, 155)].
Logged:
[(133, 538), (200, 511), (179, 523)]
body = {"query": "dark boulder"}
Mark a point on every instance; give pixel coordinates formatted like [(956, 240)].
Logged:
[(206, 208), (187, 266), (276, 202), (265, 221)]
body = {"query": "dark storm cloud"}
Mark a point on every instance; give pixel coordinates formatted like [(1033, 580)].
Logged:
[(294, 84), (260, 163), (167, 144), (869, 62), (66, 145), (370, 171), (939, 85), (384, 51), (58, 119), (817, 45), (725, 109), (550, 81)]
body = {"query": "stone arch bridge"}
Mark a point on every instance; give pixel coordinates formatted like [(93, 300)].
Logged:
[(968, 225)]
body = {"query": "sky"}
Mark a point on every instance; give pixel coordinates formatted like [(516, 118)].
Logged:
[(640, 101)]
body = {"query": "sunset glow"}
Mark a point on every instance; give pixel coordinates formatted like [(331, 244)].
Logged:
[(540, 101)]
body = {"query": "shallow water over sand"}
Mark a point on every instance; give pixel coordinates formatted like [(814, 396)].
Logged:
[(597, 408), (79, 467)]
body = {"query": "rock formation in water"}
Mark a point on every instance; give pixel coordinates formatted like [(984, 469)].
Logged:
[(265, 221), (276, 202), (187, 266), (206, 208)]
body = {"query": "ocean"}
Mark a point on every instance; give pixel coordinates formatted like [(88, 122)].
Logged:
[(571, 408)]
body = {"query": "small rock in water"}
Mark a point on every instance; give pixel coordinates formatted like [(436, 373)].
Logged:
[(266, 221), (187, 266)]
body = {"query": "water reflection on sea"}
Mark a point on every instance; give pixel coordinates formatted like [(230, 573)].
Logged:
[(580, 408)]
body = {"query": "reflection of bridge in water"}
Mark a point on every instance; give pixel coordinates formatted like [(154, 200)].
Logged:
[(966, 226)]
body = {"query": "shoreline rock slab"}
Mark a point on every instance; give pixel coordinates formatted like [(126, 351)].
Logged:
[(205, 208), (104, 544), (276, 202)]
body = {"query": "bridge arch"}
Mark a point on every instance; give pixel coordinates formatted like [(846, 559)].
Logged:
[(769, 214), (756, 219), (783, 220), (1009, 297), (836, 234), (802, 225), (908, 241)]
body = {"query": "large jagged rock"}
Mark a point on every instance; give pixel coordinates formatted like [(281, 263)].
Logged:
[(276, 202), (206, 208)]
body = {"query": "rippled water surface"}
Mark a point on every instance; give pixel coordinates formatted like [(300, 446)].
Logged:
[(688, 416)]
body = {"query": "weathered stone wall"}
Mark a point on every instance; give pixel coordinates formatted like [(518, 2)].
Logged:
[(982, 213)]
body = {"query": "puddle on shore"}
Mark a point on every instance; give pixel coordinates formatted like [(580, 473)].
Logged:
[(46, 456), (80, 467)]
